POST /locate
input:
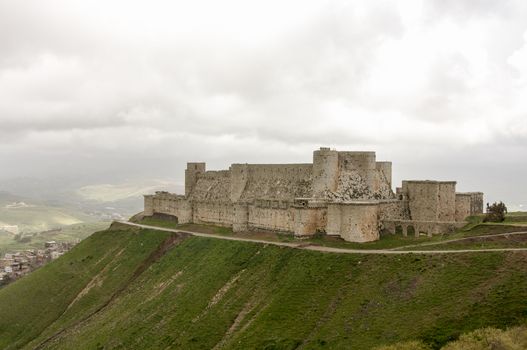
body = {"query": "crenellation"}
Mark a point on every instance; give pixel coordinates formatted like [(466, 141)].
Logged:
[(346, 194)]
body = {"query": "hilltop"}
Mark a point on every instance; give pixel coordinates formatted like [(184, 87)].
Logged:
[(134, 288)]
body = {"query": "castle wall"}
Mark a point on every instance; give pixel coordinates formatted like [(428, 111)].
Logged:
[(268, 218), (305, 223), (167, 203), (363, 163), (358, 221), (325, 171), (171, 204), (183, 210), (360, 177), (149, 205), (240, 220), (463, 206), (431, 200), (278, 181), (446, 201), (191, 176), (216, 213), (334, 219), (476, 203), (239, 174), (393, 209), (422, 199), (468, 203), (212, 186), (385, 169), (310, 217), (347, 194)]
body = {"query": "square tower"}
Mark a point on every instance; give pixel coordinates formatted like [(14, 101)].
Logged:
[(191, 176)]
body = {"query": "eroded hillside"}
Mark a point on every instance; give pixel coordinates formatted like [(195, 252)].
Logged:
[(130, 288)]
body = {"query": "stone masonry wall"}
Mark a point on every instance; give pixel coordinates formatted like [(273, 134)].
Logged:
[(393, 210), (431, 200), (212, 186), (354, 221), (274, 219), (385, 169), (463, 201), (149, 205), (446, 201), (325, 171), (216, 213), (171, 204), (277, 181), (476, 203), (342, 193), (191, 176)]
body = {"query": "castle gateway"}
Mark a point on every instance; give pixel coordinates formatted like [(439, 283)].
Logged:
[(345, 194)]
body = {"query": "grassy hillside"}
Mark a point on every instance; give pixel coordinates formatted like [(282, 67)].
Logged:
[(514, 338), (127, 289)]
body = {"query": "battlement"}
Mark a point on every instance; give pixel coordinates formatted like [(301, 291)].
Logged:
[(343, 193)]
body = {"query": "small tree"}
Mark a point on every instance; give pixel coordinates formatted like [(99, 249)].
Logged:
[(496, 212)]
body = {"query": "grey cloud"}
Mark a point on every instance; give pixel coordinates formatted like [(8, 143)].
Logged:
[(89, 97)]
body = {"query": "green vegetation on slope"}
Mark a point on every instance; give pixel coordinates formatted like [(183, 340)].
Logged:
[(39, 304), (207, 292), (482, 339)]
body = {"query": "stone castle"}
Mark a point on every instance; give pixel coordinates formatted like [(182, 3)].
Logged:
[(345, 194)]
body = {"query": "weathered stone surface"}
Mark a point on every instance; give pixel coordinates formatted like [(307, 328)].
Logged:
[(354, 221), (347, 194)]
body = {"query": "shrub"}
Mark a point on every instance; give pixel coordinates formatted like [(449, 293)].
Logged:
[(495, 212)]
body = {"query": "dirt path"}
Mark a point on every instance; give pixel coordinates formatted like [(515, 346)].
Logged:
[(460, 239), (307, 246)]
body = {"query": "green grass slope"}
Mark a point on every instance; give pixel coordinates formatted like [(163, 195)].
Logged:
[(62, 292), (514, 338), (125, 289)]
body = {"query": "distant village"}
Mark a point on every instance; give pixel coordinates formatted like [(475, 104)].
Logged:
[(17, 264)]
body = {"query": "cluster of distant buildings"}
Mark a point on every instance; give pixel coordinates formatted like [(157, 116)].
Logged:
[(18, 264)]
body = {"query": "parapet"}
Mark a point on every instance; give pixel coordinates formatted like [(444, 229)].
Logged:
[(357, 160), (429, 182)]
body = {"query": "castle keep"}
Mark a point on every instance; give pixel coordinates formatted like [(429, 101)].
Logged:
[(345, 194)]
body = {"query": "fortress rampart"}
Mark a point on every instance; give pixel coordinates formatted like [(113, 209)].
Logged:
[(346, 194)]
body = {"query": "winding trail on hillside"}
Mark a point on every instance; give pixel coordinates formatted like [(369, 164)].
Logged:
[(426, 244), (324, 249)]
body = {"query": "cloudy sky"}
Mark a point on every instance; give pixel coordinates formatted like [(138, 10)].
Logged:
[(104, 91)]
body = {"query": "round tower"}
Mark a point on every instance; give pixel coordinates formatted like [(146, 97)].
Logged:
[(363, 163), (325, 171)]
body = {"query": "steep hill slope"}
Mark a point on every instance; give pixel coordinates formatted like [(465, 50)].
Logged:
[(137, 289)]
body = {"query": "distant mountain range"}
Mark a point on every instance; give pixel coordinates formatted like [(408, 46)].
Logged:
[(36, 205)]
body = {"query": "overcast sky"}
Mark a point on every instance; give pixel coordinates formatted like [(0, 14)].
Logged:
[(108, 90)]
